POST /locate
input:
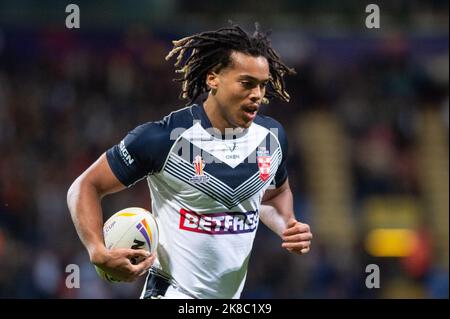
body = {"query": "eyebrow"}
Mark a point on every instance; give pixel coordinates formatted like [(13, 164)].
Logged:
[(249, 77)]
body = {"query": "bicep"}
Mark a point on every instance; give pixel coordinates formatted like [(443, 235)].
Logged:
[(273, 193), (101, 177)]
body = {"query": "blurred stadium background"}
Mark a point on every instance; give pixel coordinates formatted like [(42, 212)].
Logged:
[(368, 132)]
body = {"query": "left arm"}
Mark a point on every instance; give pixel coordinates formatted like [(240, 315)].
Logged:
[(277, 213)]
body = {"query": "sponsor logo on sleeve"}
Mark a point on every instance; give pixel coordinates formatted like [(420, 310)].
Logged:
[(124, 154)]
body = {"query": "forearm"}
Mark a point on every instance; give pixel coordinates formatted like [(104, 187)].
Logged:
[(276, 212), (84, 203), (270, 217)]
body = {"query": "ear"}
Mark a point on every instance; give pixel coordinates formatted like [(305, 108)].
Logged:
[(212, 80)]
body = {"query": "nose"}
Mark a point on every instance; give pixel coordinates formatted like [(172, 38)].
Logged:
[(256, 94)]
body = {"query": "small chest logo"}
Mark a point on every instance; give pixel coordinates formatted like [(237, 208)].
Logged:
[(263, 158), (199, 165)]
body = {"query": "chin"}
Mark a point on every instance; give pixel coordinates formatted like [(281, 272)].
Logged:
[(240, 123), (246, 124)]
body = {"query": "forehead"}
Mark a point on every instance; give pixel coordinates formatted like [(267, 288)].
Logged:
[(246, 65)]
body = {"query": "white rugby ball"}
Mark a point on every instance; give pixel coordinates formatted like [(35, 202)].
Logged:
[(132, 227)]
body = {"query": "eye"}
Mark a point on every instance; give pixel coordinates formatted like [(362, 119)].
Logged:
[(247, 84)]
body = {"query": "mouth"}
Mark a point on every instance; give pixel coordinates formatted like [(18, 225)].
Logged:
[(250, 111)]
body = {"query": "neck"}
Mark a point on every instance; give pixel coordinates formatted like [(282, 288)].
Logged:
[(215, 116)]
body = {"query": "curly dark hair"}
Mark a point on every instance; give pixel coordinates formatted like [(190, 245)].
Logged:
[(211, 50)]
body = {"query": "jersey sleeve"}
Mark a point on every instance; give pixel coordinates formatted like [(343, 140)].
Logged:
[(282, 174), (142, 152)]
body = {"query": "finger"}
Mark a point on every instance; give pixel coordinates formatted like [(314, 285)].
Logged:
[(297, 237), (305, 250), (297, 245), (143, 272), (294, 251), (297, 228), (144, 265), (137, 253), (291, 222), (299, 252)]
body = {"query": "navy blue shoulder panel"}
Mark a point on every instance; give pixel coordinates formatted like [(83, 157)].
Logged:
[(277, 129), (144, 150)]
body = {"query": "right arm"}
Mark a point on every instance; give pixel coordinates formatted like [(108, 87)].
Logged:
[(84, 202)]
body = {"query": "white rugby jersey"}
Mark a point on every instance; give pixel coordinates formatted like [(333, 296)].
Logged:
[(206, 193)]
